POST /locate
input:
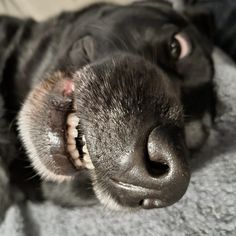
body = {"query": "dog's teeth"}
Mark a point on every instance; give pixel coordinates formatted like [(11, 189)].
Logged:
[(74, 154), (87, 158), (71, 140), (72, 120), (71, 147), (87, 162), (72, 132), (78, 163), (89, 166), (85, 149)]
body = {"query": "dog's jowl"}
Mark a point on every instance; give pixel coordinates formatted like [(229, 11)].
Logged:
[(123, 93)]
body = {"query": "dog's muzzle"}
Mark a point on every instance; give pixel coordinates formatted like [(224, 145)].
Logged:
[(133, 123)]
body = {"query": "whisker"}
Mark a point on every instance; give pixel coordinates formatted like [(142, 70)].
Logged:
[(33, 177)]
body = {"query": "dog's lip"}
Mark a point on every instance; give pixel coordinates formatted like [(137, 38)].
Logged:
[(137, 196), (48, 105), (60, 106), (74, 147), (42, 125), (129, 186), (64, 105)]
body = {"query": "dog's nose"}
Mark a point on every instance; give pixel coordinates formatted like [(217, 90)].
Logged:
[(157, 175), (166, 163)]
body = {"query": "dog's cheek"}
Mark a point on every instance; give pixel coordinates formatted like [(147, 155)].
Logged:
[(197, 131), (195, 70)]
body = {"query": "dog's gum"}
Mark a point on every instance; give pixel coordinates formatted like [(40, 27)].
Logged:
[(68, 87)]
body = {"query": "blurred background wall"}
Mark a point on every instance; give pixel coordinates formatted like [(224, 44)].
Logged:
[(41, 9)]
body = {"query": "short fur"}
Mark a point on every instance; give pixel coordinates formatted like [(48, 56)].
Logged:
[(122, 49)]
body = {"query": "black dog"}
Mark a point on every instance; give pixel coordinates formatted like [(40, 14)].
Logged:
[(115, 90)]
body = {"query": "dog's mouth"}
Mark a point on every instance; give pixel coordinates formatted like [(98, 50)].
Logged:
[(50, 129), (52, 121)]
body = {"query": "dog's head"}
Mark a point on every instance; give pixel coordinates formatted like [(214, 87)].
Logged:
[(120, 114)]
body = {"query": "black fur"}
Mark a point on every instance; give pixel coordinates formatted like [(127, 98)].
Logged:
[(126, 48)]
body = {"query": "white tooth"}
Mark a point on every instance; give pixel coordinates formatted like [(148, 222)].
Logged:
[(72, 119), (71, 140), (72, 132), (74, 154), (85, 149), (87, 158), (71, 147), (87, 162), (89, 165)]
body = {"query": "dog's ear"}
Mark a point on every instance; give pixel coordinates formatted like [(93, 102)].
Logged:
[(202, 19), (82, 51), (153, 3)]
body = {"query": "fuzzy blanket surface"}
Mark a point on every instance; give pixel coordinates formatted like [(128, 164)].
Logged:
[(208, 207)]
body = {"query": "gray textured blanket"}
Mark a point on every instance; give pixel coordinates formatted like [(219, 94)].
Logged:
[(208, 208)]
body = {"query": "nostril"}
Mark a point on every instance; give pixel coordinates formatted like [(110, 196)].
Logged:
[(141, 202), (157, 169)]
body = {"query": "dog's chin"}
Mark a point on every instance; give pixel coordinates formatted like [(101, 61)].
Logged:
[(106, 199), (49, 128), (104, 194)]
